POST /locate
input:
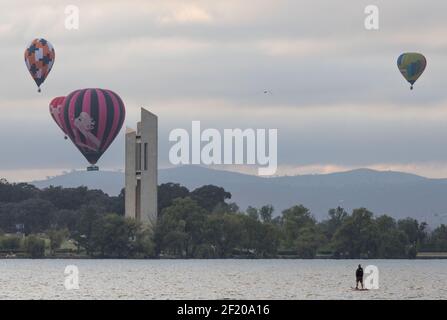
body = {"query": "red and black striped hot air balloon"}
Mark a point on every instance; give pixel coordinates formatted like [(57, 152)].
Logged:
[(92, 118)]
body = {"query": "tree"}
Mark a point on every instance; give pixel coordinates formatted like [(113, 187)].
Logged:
[(209, 196), (252, 213), (115, 236), (224, 207), (294, 220), (57, 237), (266, 213), (252, 229), (201, 224), (8, 216), (76, 198), (268, 240), (225, 233), (415, 232), (35, 246), (67, 219), (336, 218), (89, 218), (183, 222), (175, 242), (438, 239), (308, 241), (36, 214), (392, 242), (10, 243), (144, 245), (16, 192), (357, 236), (167, 192), (116, 204)]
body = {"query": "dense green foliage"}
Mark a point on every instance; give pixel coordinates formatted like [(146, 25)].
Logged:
[(197, 224), (35, 246)]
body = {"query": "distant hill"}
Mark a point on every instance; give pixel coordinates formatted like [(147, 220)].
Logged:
[(394, 193)]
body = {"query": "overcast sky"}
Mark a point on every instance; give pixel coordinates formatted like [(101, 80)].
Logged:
[(338, 102)]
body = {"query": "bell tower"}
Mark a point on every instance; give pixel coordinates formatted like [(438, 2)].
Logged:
[(141, 169)]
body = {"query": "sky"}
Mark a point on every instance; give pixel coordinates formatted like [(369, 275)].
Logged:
[(337, 97)]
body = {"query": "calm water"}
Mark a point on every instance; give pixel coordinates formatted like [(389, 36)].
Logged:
[(220, 279)]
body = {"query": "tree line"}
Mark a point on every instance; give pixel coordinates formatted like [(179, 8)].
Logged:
[(202, 223)]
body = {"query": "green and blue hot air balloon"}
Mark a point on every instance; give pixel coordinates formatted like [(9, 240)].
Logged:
[(411, 65)]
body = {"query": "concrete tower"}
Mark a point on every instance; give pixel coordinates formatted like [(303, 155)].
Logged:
[(142, 169)]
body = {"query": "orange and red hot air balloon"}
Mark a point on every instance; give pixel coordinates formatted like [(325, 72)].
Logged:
[(39, 59)]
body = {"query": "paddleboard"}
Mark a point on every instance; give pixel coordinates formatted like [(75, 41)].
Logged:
[(352, 288)]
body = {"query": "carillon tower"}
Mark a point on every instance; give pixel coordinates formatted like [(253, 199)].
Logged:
[(141, 173)]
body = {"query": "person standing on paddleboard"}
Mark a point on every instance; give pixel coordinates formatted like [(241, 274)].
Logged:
[(359, 277)]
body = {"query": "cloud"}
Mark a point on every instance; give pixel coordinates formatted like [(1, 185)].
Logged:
[(187, 14), (338, 99)]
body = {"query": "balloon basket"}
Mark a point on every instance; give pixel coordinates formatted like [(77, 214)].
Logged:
[(93, 168)]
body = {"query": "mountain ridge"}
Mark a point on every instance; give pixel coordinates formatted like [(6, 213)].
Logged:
[(383, 192)]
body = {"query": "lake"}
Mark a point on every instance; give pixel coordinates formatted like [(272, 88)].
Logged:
[(221, 279)]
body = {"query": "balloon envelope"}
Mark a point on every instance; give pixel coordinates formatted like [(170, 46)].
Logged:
[(411, 65), (56, 111), (39, 59), (92, 118)]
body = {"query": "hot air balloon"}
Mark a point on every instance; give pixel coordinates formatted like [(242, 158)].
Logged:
[(92, 118), (411, 65), (39, 59), (56, 111)]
